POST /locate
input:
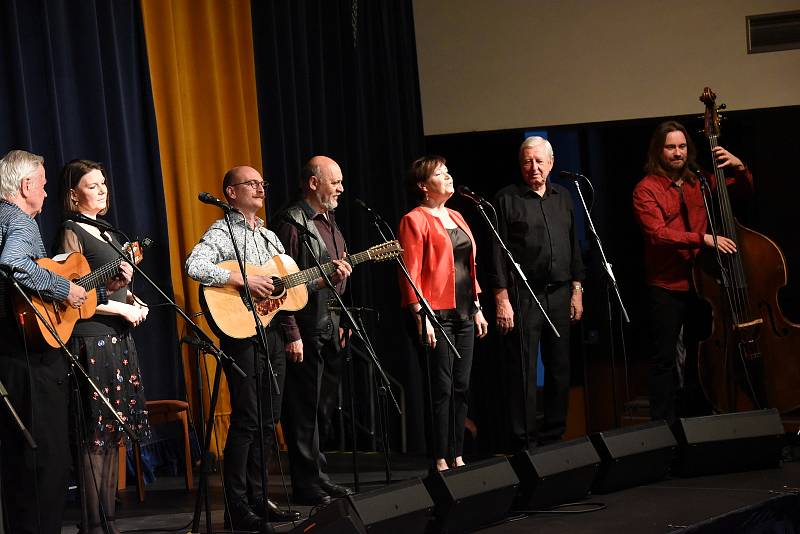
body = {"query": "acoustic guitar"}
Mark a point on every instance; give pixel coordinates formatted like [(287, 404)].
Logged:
[(62, 316), (226, 307)]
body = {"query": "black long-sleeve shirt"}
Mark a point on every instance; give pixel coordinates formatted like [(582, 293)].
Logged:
[(540, 233)]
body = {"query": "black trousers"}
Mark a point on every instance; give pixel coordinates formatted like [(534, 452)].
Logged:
[(242, 465), (449, 380), (519, 362), (669, 312), (35, 482), (311, 397)]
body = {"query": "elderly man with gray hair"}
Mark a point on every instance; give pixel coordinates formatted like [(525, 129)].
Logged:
[(34, 480), (537, 222)]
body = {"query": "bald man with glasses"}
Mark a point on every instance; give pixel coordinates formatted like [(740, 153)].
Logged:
[(247, 505)]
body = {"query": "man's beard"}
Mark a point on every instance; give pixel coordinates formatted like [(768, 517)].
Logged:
[(329, 204)]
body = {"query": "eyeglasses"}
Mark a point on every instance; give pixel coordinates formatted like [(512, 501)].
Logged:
[(254, 184)]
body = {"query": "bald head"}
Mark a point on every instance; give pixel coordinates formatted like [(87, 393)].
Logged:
[(321, 182)]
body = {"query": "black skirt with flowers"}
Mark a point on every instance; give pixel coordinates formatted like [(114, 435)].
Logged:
[(112, 362)]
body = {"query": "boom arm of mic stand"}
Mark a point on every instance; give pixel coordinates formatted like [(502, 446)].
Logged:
[(606, 264), (517, 268), (208, 346), (356, 328), (71, 357)]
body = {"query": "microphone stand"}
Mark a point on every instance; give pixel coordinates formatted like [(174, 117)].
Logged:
[(13, 413), (73, 361), (521, 276), (348, 359), (370, 350), (611, 283), (208, 347), (426, 314)]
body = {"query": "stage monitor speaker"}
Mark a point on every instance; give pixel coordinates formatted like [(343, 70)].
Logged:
[(471, 496), (336, 518), (729, 442), (555, 474), (633, 456), (401, 507)]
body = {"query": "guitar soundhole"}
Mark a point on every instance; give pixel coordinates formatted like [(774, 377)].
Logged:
[(280, 289)]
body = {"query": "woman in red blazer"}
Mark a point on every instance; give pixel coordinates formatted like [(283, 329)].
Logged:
[(439, 252)]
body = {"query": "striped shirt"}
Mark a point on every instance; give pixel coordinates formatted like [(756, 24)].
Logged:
[(21, 244)]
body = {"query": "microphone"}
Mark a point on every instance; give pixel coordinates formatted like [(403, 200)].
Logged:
[(465, 191), (302, 230), (81, 218), (368, 209), (208, 198), (700, 176), (572, 175)]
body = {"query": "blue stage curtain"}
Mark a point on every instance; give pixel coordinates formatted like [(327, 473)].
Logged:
[(74, 83)]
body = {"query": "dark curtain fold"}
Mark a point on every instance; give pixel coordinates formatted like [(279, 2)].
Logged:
[(340, 78), (74, 83)]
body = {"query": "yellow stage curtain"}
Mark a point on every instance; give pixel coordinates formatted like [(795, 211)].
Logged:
[(204, 89)]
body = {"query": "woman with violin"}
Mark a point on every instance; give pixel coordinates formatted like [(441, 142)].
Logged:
[(668, 205), (105, 347)]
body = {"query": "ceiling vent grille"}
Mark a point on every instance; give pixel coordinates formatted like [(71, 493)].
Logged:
[(773, 32)]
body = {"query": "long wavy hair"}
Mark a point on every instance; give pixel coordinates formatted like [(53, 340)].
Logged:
[(654, 164)]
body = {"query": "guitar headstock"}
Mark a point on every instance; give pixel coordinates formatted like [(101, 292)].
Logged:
[(385, 251), (711, 118), (135, 250)]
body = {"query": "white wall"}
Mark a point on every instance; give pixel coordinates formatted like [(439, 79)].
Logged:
[(496, 64)]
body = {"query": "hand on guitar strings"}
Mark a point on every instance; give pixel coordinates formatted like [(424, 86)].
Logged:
[(122, 279), (77, 295), (343, 270)]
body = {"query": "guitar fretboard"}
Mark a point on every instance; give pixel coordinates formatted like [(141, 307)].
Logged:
[(301, 277), (99, 276)]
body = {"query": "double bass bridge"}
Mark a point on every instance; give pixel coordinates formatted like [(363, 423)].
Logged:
[(747, 335)]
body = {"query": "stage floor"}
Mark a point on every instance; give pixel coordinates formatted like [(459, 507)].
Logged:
[(667, 506)]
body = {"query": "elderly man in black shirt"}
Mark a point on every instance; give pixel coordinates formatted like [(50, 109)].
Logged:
[(536, 220)]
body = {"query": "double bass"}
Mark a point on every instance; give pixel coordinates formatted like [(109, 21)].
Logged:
[(752, 358)]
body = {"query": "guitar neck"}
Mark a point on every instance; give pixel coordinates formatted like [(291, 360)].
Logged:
[(307, 275), (99, 276)]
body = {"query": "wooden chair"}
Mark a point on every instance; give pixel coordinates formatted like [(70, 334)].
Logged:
[(160, 411)]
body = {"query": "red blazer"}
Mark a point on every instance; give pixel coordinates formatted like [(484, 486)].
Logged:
[(428, 253)]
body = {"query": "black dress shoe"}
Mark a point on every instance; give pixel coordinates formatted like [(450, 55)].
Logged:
[(313, 496), (241, 518), (273, 512), (335, 490)]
